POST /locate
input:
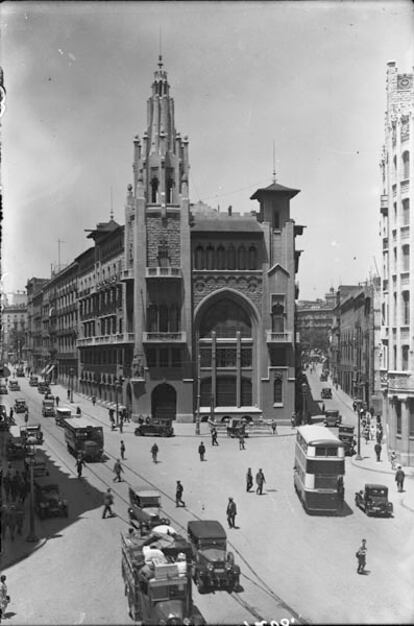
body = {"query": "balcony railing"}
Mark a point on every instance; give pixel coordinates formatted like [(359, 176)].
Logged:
[(177, 337), (163, 272), (127, 274), (107, 339), (384, 204), (400, 382), (283, 337)]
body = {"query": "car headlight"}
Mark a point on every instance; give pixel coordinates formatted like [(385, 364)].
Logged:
[(210, 567), (187, 621)]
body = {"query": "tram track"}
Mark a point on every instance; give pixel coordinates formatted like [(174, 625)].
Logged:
[(256, 581)]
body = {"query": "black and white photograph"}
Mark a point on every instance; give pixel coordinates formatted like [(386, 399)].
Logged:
[(207, 312)]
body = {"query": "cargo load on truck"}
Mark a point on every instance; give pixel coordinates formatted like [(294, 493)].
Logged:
[(157, 574), (84, 438), (48, 407)]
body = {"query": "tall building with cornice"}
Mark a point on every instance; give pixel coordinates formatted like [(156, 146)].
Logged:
[(397, 228)]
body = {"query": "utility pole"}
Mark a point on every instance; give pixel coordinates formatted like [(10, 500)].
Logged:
[(197, 429)]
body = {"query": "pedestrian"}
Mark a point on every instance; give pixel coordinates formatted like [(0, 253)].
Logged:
[(201, 451), (154, 452), (293, 420), (57, 400), (323, 407), (121, 423), (4, 597), (393, 458), (93, 400), (366, 434), (274, 427), (354, 405), (11, 414), (78, 411), (249, 479), (361, 555), (68, 394), (179, 494), (117, 470), (378, 448), (79, 465), (214, 441), (108, 502), (231, 513), (399, 478), (127, 415), (26, 416), (241, 441), (122, 450), (112, 420), (260, 480), (380, 434)]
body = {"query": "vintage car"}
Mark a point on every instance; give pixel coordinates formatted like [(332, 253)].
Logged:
[(43, 388), (157, 426), (347, 436), (33, 430), (48, 499), (145, 509), (14, 385), (48, 407), (33, 381), (3, 388), (20, 371), (332, 418), (213, 565), (20, 405), (323, 377), (326, 393), (373, 500), (236, 426)]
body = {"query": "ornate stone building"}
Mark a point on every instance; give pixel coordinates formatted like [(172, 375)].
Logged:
[(397, 219)]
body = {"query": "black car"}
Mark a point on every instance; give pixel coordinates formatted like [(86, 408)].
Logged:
[(158, 427), (49, 501)]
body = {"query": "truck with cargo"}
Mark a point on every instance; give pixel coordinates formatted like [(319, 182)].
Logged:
[(157, 576), (48, 407), (84, 438)]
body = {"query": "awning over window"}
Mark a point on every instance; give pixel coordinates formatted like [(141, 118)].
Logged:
[(50, 369), (43, 370)]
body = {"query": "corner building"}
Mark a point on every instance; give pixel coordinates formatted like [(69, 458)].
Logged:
[(397, 223), (209, 297)]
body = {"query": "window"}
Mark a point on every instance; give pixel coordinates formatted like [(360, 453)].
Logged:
[(231, 258), (406, 258), (205, 356), (405, 308), (225, 318), (241, 258), (199, 261), (205, 392), (210, 258), (246, 392), (163, 319), (278, 318), (278, 391), (404, 357), (398, 416), (226, 391), (411, 417), (278, 356), (275, 220), (406, 211), (406, 164), (154, 190), (246, 357), (395, 357), (252, 258), (226, 357), (221, 258)]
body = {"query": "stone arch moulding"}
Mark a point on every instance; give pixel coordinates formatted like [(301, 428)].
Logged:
[(221, 293)]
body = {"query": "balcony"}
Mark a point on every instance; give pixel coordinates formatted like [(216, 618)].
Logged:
[(400, 382), (106, 339), (163, 272), (284, 337), (385, 243), (127, 274), (157, 337), (384, 205)]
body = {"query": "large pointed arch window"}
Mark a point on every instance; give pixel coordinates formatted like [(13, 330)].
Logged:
[(278, 391), (154, 189), (199, 258), (278, 318)]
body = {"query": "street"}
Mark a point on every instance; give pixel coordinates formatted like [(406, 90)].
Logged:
[(294, 566)]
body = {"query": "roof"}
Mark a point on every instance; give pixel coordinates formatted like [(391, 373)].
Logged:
[(375, 486), (145, 493), (275, 188), (226, 223), (207, 529), (318, 434), (81, 422)]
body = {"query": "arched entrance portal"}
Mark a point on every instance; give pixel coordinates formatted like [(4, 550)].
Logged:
[(164, 401)]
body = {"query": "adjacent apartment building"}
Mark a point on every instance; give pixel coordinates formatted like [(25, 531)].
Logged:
[(397, 228), (184, 310)]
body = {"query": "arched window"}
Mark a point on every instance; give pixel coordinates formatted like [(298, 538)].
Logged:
[(154, 190), (210, 258), (278, 391), (406, 164), (199, 260), (252, 258), (241, 258), (221, 258), (225, 318), (278, 318), (170, 191), (231, 258)]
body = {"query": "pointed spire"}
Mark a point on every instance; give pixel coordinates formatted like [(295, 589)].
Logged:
[(274, 164), (160, 63), (111, 213)]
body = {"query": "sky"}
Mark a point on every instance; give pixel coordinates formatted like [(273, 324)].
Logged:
[(306, 77)]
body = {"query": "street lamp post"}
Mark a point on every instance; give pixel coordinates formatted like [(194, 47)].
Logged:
[(118, 386), (71, 373), (31, 454), (358, 456), (197, 428)]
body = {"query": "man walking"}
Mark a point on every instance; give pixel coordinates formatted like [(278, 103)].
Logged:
[(179, 494), (274, 427), (154, 452), (249, 479), (108, 502), (201, 451), (26, 416), (93, 400), (241, 441), (122, 450), (57, 400), (117, 470), (231, 513), (214, 441), (80, 463), (378, 448), (260, 480), (399, 478), (362, 557)]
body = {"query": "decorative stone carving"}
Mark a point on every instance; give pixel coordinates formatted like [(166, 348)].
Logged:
[(250, 287)]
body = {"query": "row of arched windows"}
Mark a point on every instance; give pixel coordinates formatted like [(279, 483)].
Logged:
[(405, 164), (225, 257)]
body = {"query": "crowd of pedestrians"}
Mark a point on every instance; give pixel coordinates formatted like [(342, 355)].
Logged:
[(15, 486)]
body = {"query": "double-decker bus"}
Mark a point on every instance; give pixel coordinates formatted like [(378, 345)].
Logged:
[(83, 437), (319, 469)]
